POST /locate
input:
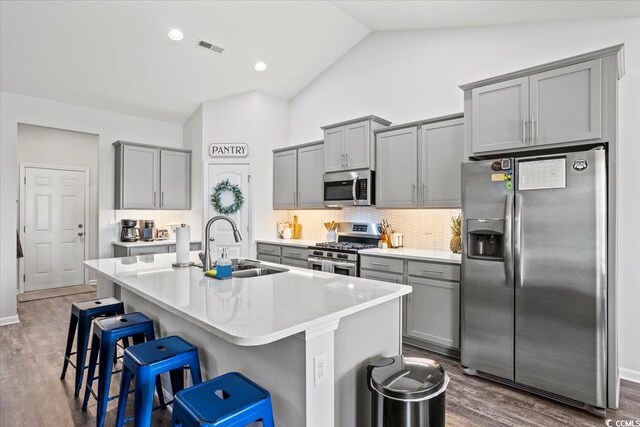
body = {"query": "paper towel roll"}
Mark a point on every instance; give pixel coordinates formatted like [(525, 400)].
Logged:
[(183, 235)]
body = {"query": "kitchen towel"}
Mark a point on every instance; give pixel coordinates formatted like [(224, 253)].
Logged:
[(327, 266), (183, 235)]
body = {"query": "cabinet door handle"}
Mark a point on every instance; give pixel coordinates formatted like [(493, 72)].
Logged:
[(154, 199), (534, 131), (524, 131), (424, 193), (379, 264), (298, 202), (162, 199), (414, 194)]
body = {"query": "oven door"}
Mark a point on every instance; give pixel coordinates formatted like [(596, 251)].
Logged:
[(348, 188), (343, 268)]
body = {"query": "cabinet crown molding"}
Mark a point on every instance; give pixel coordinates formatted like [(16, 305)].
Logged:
[(601, 53), (372, 118)]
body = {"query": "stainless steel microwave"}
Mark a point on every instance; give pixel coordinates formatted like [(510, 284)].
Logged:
[(352, 188)]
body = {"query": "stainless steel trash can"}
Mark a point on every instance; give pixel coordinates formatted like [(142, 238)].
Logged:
[(407, 392)]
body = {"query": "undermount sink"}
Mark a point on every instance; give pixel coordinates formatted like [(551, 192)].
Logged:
[(256, 271)]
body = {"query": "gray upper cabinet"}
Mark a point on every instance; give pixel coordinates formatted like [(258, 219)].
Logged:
[(563, 103), (149, 177), (418, 164), (566, 104), (137, 177), (310, 171), (499, 115), (397, 168), (333, 150), (441, 154), (351, 145), (285, 193), (175, 179), (297, 176)]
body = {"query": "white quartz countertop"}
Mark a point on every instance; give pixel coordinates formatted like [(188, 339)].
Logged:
[(141, 243), (416, 254), (302, 243), (247, 311)]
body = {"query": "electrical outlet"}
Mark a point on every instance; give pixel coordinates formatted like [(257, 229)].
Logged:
[(320, 369)]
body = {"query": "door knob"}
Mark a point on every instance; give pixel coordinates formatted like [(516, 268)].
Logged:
[(79, 225), (81, 233)]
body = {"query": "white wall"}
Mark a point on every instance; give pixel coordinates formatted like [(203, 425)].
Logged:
[(261, 121), (411, 75), (56, 147), (192, 140), (109, 127)]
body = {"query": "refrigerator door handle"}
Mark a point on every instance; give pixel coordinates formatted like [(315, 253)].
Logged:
[(508, 248), (517, 240)]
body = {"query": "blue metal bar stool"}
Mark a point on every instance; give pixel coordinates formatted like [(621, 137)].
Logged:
[(146, 362), (82, 314), (230, 400), (106, 333)]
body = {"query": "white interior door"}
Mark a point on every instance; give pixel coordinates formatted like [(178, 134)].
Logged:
[(238, 174), (54, 228)]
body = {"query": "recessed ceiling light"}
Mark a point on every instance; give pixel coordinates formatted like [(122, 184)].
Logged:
[(260, 66), (175, 34)]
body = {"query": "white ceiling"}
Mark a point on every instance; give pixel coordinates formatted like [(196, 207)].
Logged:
[(386, 15), (115, 55)]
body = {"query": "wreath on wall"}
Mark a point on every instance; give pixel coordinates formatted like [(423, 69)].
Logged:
[(216, 198)]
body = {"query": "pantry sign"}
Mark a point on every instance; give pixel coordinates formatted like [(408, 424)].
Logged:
[(228, 150)]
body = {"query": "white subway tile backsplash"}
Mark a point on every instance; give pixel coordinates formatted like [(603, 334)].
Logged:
[(422, 228)]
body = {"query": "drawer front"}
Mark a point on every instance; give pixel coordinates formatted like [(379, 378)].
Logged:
[(273, 250), (434, 270), (390, 265), (384, 277), (294, 262), (295, 252), (269, 258), (146, 250)]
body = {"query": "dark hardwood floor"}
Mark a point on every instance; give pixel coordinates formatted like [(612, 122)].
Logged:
[(31, 392)]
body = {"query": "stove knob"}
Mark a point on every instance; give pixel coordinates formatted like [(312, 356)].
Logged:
[(343, 256), (319, 253), (329, 255)]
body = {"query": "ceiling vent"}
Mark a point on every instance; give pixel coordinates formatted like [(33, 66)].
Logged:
[(210, 47)]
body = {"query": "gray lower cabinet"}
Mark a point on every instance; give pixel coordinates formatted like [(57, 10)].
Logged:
[(397, 168), (293, 256), (297, 177), (432, 310), (419, 165), (150, 177), (163, 248)]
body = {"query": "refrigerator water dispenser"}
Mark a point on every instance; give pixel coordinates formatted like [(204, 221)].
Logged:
[(485, 239)]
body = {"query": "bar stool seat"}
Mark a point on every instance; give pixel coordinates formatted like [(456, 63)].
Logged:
[(230, 400), (146, 362), (106, 333), (82, 315)]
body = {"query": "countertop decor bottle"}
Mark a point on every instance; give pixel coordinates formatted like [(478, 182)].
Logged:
[(297, 228), (224, 266)]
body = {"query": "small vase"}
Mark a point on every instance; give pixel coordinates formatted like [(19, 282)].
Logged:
[(332, 236)]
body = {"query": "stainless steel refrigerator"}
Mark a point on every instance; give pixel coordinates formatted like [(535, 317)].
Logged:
[(534, 274)]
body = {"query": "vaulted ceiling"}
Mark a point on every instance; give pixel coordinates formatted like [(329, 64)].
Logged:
[(115, 55)]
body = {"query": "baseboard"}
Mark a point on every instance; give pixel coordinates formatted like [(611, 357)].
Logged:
[(9, 320), (630, 375)]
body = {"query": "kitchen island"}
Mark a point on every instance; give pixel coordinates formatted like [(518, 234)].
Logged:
[(275, 329)]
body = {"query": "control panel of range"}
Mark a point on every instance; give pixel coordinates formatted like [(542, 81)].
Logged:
[(334, 255)]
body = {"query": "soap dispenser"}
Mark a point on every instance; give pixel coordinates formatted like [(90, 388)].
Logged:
[(224, 266)]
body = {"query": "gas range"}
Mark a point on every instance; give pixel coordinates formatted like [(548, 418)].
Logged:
[(341, 257)]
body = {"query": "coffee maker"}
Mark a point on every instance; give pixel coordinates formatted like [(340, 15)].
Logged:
[(129, 232), (148, 230)]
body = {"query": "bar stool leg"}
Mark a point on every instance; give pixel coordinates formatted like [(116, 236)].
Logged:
[(144, 398), (267, 418), (73, 323), (125, 383), (81, 351), (104, 378), (91, 372), (177, 380)]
